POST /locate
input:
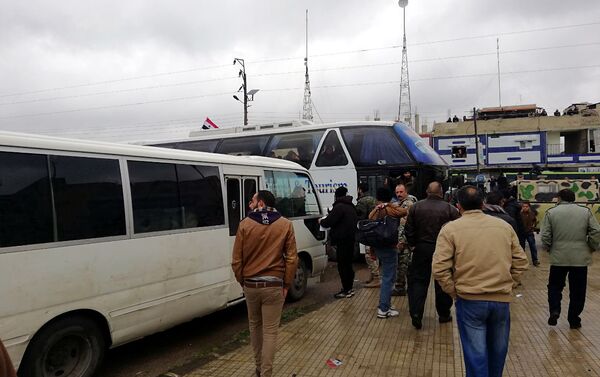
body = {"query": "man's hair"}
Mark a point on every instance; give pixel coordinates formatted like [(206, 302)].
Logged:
[(364, 187), (566, 195), (469, 198), (403, 185), (267, 197), (526, 202), (494, 198), (383, 195)]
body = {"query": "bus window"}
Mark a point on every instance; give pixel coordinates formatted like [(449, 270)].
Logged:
[(332, 153), (233, 204), (298, 147), (374, 146), (154, 196), (294, 193), (170, 196), (88, 197), (201, 196), (198, 145), (244, 146), (25, 201), (249, 191)]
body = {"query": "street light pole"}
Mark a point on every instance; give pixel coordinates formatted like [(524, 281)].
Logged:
[(242, 74)]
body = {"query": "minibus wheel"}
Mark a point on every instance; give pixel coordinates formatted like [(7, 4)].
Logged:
[(68, 347), (298, 286)]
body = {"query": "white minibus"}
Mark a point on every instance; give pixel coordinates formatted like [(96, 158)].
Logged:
[(102, 244)]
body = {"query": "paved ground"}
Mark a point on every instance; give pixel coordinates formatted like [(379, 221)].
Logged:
[(349, 331)]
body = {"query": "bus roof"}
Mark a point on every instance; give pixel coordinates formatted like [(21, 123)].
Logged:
[(268, 129), (22, 140)]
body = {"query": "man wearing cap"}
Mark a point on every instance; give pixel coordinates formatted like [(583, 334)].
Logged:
[(342, 220), (264, 262)]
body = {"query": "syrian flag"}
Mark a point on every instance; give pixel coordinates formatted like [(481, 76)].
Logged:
[(208, 124)]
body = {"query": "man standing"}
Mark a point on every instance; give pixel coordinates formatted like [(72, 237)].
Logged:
[(405, 201), (387, 254), (529, 217), (264, 262), (478, 261), (364, 206), (513, 208), (570, 233), (425, 219), (342, 220)]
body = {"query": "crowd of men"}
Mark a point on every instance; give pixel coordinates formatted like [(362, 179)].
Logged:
[(475, 249)]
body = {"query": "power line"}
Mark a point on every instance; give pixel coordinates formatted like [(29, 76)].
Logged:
[(299, 88), (269, 60)]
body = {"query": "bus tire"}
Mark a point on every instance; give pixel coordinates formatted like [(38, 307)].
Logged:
[(68, 347), (298, 286)]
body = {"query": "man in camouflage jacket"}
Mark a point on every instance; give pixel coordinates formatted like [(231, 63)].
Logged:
[(406, 201)]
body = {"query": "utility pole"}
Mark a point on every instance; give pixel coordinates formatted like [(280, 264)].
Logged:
[(476, 139), (248, 95), (498, 58), (307, 102), (244, 87)]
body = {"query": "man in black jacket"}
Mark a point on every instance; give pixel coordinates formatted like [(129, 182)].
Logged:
[(513, 208), (342, 220), (425, 220), (493, 207)]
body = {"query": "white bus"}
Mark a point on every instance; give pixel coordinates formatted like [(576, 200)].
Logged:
[(336, 154), (102, 244)]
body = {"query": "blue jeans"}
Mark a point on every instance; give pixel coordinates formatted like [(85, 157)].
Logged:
[(530, 238), (388, 260), (484, 328)]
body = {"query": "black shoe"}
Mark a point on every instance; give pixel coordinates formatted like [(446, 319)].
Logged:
[(416, 322), (344, 294), (445, 319), (575, 326), (536, 262), (553, 319), (399, 292)]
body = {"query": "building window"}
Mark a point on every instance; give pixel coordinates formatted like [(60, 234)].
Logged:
[(525, 144), (459, 151)]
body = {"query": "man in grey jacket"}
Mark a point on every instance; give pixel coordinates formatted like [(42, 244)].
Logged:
[(570, 232)]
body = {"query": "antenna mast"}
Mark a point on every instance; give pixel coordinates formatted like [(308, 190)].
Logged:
[(307, 112), (404, 104)]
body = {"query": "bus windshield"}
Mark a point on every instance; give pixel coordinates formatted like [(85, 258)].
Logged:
[(420, 150)]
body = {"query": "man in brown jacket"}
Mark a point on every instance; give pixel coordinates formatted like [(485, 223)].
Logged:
[(264, 262), (478, 261), (6, 367)]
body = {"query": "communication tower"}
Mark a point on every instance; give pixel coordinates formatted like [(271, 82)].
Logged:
[(307, 112), (404, 104)]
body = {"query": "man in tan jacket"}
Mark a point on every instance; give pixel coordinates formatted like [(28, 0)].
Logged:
[(478, 261), (264, 262)]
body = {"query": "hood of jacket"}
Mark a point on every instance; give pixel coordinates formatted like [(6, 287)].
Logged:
[(343, 199), (265, 216)]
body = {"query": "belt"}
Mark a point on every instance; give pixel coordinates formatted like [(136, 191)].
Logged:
[(262, 284)]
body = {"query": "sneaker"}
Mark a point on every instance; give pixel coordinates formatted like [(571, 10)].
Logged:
[(344, 294), (536, 263), (553, 319), (575, 325), (389, 313), (376, 283), (398, 292)]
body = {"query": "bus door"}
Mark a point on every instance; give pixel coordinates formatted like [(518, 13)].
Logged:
[(240, 190)]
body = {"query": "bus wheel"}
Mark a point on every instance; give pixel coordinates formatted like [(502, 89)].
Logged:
[(298, 286), (68, 347)]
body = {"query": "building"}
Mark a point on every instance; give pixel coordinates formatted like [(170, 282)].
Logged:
[(517, 137)]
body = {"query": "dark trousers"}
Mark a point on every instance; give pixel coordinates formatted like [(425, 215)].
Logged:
[(419, 276), (345, 254), (532, 247), (577, 287)]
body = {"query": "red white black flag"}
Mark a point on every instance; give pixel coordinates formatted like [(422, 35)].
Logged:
[(208, 124)]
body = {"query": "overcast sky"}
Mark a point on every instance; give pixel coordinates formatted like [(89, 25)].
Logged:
[(148, 69)]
